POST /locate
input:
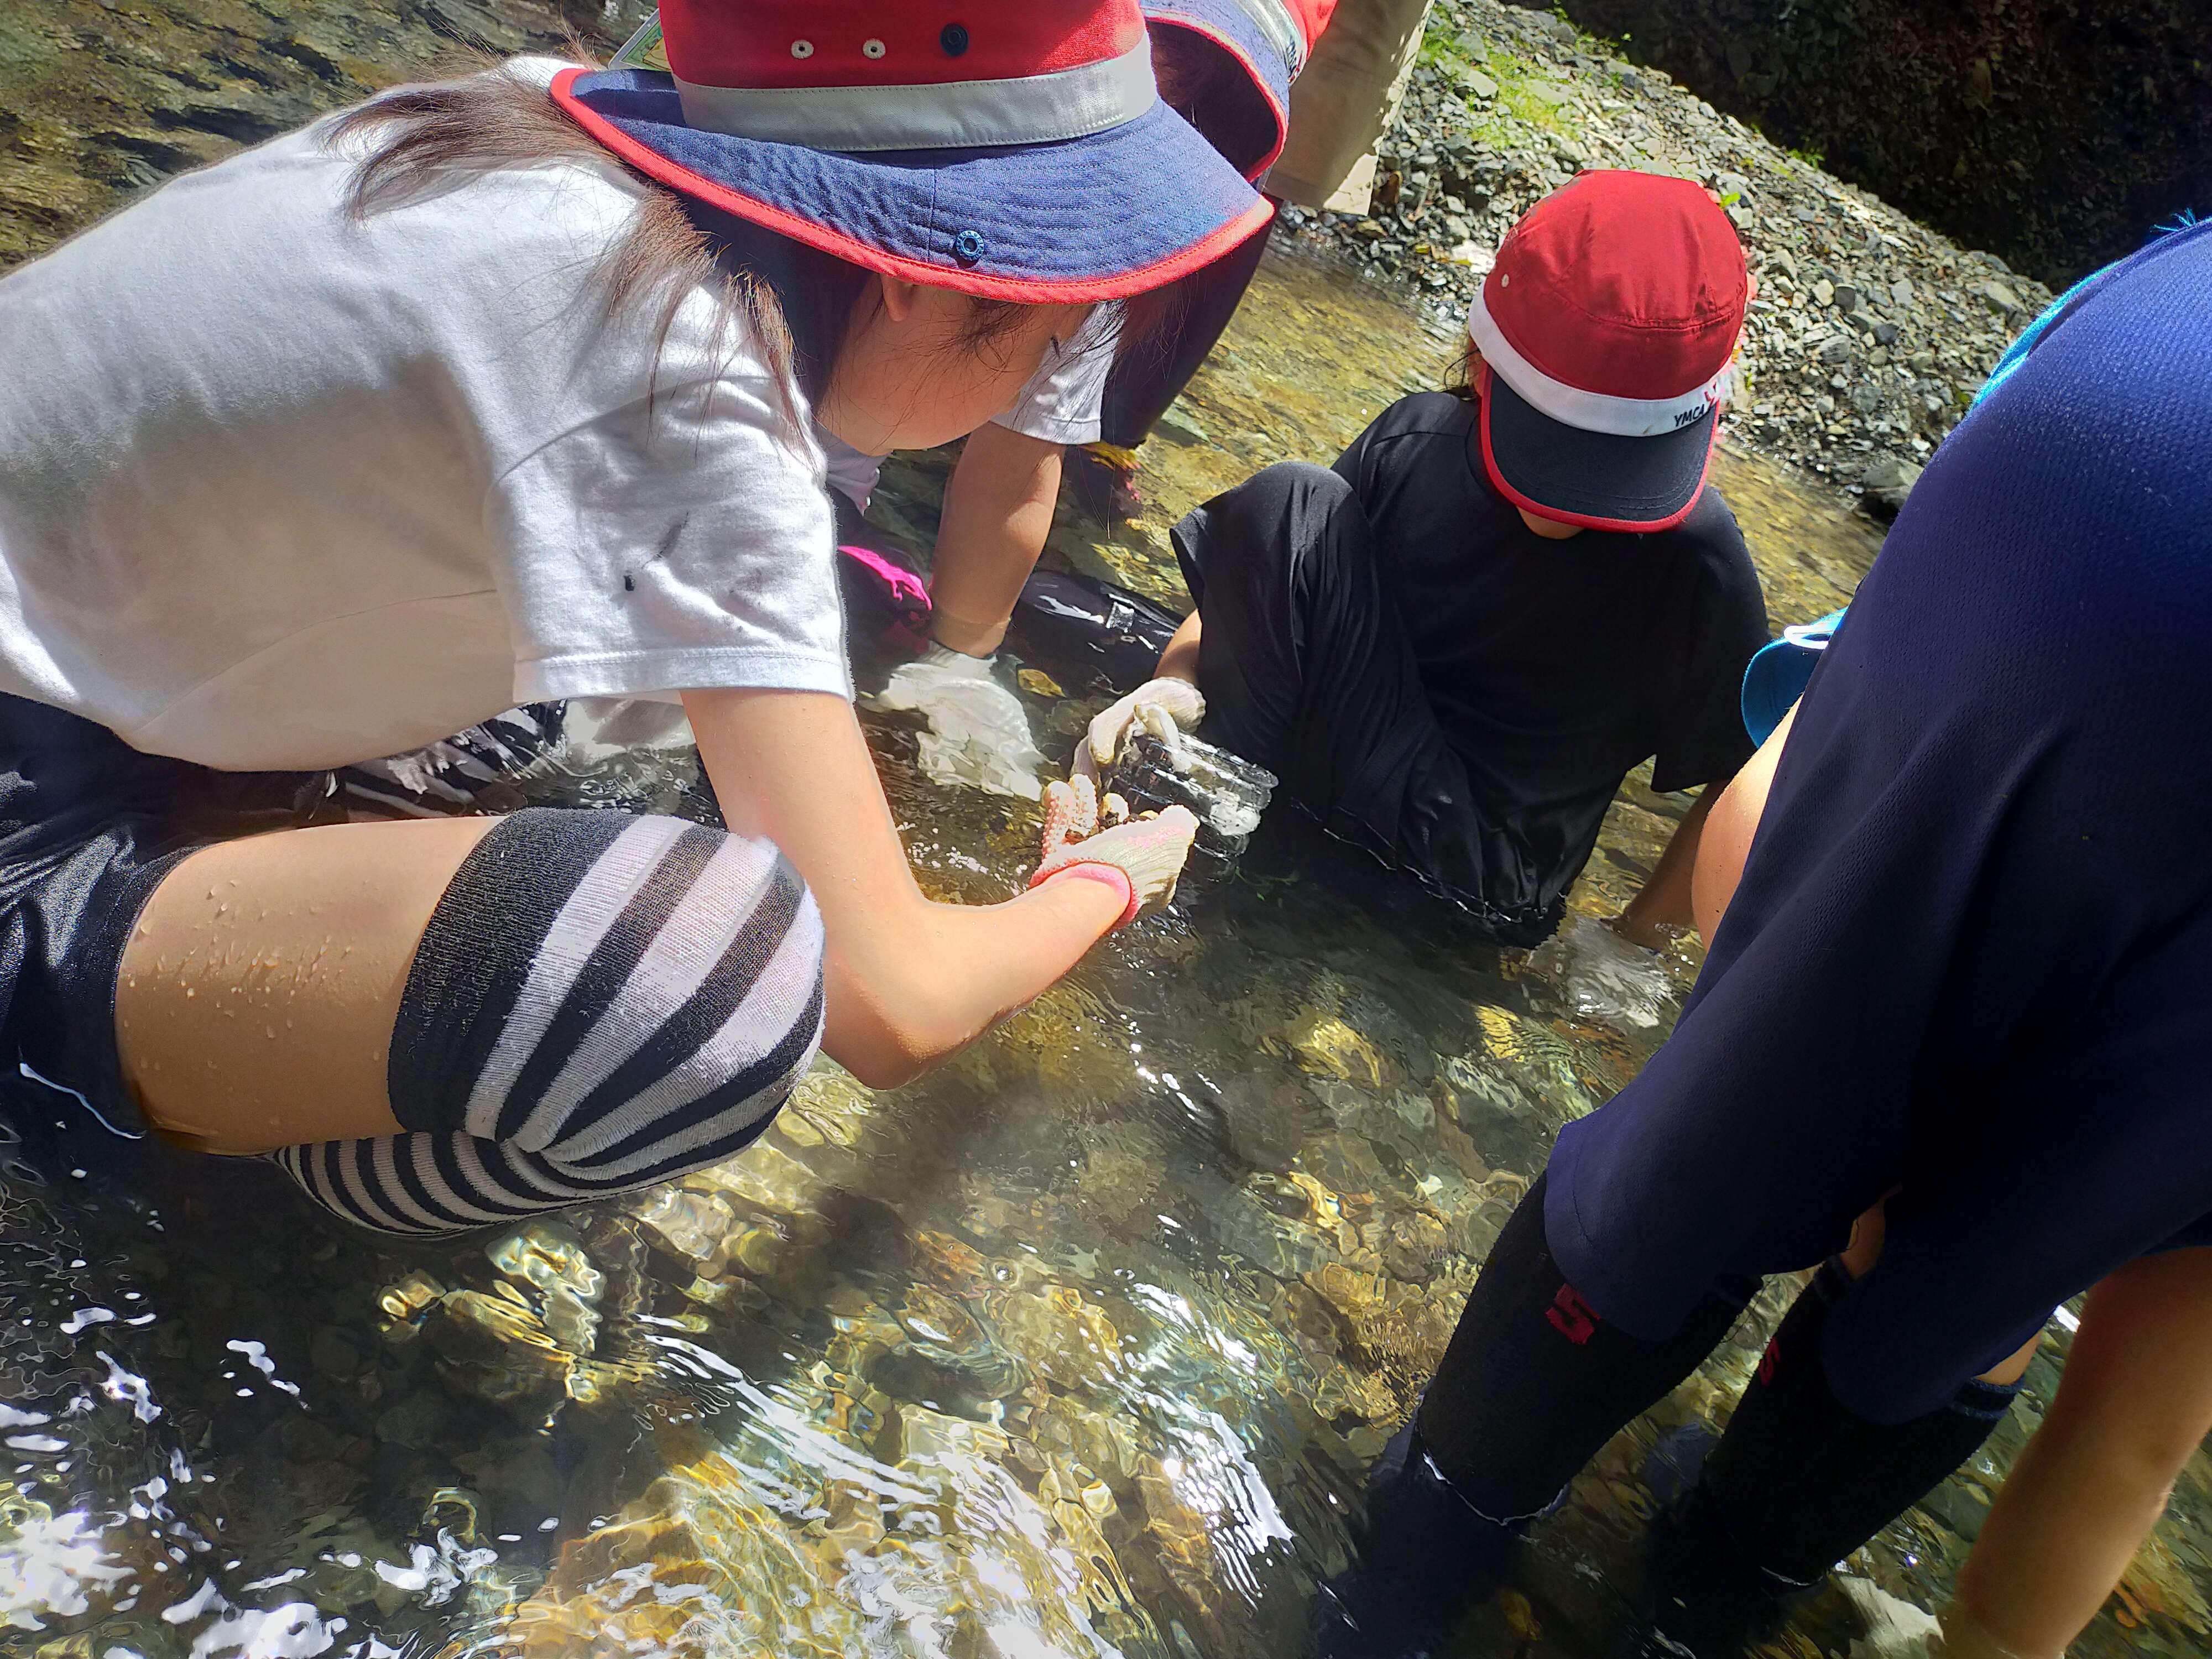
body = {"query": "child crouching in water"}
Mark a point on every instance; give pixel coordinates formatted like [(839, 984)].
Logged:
[(1452, 646), (499, 390)]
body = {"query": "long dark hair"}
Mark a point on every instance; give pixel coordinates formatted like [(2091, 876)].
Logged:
[(794, 301), (1462, 374)]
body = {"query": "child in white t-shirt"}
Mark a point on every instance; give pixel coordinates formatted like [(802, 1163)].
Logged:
[(501, 390)]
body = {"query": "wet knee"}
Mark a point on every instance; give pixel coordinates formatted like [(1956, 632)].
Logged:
[(593, 969), (599, 1002)]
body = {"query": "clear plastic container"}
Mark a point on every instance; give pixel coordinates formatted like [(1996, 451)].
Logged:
[(1226, 793)]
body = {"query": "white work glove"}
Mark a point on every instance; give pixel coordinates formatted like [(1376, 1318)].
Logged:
[(979, 733), (1147, 854), (1165, 707)]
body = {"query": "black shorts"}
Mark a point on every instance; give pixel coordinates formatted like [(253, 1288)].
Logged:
[(1308, 671), (89, 826)]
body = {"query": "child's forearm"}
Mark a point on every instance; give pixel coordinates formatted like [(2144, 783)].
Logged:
[(906, 993), (998, 511), (909, 982), (1664, 900), (2135, 1401), (1179, 658)]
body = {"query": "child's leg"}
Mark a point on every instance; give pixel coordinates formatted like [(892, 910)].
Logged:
[(1304, 665), (453, 1022), (1797, 1482), (259, 990), (2134, 1405), (1150, 374), (1534, 1381)]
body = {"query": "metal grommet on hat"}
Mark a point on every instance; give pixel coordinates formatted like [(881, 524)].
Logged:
[(953, 37), (969, 246)]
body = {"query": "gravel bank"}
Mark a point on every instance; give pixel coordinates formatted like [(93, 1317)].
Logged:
[(1870, 333)]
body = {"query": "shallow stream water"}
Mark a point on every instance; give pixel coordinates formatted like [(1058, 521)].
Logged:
[(1079, 1348)]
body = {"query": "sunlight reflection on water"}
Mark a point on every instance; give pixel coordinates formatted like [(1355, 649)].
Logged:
[(1079, 1347)]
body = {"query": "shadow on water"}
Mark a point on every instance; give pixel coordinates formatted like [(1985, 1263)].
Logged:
[(1080, 1347)]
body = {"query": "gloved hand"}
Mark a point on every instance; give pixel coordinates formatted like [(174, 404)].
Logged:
[(1166, 707), (979, 733), (1145, 854), (1605, 976)]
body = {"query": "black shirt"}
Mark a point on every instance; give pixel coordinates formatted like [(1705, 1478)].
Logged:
[(1555, 668)]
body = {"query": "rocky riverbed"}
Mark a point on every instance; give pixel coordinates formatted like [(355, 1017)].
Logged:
[(1870, 333)]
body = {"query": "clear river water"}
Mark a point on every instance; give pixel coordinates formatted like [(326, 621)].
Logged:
[(1079, 1348)]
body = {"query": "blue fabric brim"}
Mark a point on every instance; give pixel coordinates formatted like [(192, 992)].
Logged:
[(1245, 117), (1086, 219)]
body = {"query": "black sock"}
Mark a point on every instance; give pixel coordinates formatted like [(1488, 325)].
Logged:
[(1799, 1482), (1534, 1382)]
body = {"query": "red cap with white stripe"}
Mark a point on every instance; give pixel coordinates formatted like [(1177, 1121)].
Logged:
[(1606, 329)]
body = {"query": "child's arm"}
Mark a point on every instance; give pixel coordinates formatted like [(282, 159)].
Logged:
[(1664, 900), (2135, 1403), (1725, 842), (1179, 656), (998, 512), (910, 982)]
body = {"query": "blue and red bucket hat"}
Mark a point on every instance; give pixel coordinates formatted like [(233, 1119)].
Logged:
[(1014, 150), (1229, 65), (1606, 329)]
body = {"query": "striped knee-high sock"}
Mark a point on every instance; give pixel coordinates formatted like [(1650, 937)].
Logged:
[(599, 1002)]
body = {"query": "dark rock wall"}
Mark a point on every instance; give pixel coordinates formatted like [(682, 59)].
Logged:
[(2055, 132)]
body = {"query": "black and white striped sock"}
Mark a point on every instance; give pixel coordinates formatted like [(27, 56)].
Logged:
[(599, 1002)]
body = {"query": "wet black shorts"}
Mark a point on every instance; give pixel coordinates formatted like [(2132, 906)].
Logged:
[(1307, 671), (88, 827)]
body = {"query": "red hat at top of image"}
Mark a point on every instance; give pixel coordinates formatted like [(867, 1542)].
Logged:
[(1606, 328), (1015, 149)]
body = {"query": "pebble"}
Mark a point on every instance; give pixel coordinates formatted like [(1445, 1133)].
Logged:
[(1870, 332)]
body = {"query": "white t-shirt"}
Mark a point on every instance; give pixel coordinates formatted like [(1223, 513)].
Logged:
[(1060, 404), (281, 488)]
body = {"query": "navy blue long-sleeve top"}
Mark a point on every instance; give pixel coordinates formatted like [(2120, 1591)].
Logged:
[(1971, 954)]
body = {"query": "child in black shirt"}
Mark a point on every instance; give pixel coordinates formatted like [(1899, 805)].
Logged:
[(1454, 644)]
